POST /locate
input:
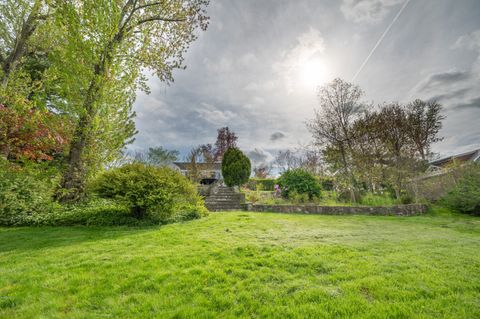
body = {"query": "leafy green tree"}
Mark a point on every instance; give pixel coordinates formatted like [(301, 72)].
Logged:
[(25, 42), (19, 19), (236, 167), (115, 41), (160, 156), (298, 181)]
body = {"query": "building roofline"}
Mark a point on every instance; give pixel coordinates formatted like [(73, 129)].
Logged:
[(441, 160)]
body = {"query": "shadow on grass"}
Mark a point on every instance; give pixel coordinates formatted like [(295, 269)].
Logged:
[(34, 238)]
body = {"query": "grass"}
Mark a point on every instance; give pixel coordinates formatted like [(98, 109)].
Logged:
[(250, 265)]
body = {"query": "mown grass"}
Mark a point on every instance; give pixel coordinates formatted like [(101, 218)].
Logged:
[(252, 265)]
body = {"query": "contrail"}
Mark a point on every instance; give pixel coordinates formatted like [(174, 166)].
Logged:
[(381, 39)]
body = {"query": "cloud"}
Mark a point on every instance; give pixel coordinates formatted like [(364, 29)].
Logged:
[(454, 88), (367, 11), (249, 80), (277, 136), (260, 156), (309, 47), (459, 92), (469, 41), (214, 115)]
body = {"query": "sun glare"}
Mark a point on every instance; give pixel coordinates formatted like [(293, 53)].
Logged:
[(312, 73)]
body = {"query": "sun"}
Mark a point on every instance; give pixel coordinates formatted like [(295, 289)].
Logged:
[(312, 73)]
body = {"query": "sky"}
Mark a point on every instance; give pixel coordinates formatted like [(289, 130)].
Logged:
[(257, 67)]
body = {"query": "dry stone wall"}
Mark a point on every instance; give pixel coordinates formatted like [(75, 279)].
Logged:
[(397, 210)]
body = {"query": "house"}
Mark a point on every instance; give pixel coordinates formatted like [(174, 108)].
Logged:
[(206, 173), (441, 175), (444, 164)]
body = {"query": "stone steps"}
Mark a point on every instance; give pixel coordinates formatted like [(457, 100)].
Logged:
[(225, 198)]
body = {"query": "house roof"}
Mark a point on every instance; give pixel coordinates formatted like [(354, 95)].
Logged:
[(464, 157), (185, 166)]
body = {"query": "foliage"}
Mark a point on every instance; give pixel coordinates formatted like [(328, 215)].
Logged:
[(160, 156), (326, 183), (306, 157), (299, 198), (465, 196), (367, 149), (115, 41), (226, 139), (261, 171), (236, 167), (33, 135), (425, 121), (18, 25), (298, 181), (160, 194), (261, 184), (371, 199), (332, 126), (25, 191)]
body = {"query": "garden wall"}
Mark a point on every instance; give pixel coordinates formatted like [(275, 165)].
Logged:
[(397, 210)]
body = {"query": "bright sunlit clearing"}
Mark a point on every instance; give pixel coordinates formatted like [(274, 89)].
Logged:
[(312, 73)]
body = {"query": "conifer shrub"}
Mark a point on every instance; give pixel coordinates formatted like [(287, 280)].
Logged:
[(236, 167)]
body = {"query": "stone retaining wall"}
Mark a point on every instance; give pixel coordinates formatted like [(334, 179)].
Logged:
[(397, 210)]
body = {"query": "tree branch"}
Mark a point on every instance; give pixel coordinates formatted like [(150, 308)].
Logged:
[(147, 5), (160, 18), (155, 18)]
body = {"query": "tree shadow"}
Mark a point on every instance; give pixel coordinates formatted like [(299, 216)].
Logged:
[(33, 238)]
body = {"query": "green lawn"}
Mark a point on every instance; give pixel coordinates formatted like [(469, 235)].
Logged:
[(250, 265)]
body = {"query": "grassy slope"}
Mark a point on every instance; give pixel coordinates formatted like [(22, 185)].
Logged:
[(246, 265)]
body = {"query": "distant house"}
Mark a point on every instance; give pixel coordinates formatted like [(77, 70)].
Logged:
[(441, 175), (445, 163), (207, 173)]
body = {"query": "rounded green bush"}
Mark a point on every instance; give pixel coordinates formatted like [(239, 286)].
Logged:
[(236, 167), (158, 193), (298, 181)]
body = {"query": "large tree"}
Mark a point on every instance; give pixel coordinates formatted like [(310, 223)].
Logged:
[(424, 124), (393, 142), (332, 125), (109, 44)]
